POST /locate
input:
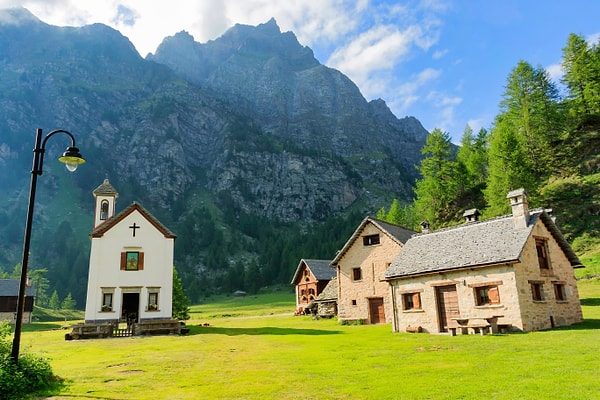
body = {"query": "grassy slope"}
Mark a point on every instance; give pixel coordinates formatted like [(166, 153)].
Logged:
[(257, 353)]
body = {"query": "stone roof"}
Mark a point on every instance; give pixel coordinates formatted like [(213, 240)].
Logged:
[(475, 244), (10, 288), (103, 228), (321, 269), (397, 233), (329, 293), (105, 189)]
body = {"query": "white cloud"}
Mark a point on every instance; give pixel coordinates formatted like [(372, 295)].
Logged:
[(374, 50)]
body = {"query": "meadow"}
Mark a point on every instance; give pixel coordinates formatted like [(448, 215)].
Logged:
[(255, 348)]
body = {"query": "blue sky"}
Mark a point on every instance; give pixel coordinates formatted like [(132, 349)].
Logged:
[(443, 62)]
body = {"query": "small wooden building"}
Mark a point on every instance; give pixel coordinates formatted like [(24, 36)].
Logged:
[(310, 279), (9, 295)]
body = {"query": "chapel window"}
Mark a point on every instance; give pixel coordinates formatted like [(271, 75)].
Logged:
[(104, 209), (107, 301), (152, 301), (132, 261)]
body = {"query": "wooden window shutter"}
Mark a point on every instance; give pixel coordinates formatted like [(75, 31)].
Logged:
[(140, 261), (416, 300), (123, 261), (494, 295)]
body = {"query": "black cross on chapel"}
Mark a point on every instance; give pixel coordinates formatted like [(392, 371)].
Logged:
[(134, 227)]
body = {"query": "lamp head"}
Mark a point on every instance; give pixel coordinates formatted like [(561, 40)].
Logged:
[(72, 158)]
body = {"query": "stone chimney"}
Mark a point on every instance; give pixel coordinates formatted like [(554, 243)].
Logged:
[(520, 208), (425, 227), (471, 215)]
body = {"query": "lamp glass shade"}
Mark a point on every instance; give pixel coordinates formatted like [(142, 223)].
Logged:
[(72, 158)]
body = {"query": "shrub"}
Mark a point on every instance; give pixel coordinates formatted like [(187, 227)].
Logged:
[(29, 375)]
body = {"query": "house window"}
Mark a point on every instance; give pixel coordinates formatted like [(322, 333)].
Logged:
[(559, 292), (152, 301), (356, 274), (541, 245), (132, 261), (411, 301), (353, 302), (537, 291), (104, 209), (487, 295), (370, 240), (306, 275), (107, 301)]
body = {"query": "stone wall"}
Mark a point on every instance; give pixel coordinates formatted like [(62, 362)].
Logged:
[(517, 307), (373, 260)]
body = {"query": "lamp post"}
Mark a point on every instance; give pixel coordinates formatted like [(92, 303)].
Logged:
[(72, 158)]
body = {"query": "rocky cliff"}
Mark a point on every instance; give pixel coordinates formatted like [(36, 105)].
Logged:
[(252, 117)]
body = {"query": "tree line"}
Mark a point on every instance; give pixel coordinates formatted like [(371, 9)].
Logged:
[(544, 139)]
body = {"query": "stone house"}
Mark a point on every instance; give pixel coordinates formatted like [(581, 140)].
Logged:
[(310, 279), (363, 294), (9, 296), (514, 272)]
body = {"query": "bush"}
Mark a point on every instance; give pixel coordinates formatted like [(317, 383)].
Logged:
[(29, 375)]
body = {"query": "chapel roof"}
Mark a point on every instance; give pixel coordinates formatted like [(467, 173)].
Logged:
[(135, 206), (105, 189)]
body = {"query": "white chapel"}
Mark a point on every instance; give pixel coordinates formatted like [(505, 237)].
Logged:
[(131, 263)]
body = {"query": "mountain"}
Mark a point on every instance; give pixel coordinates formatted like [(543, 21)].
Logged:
[(238, 145)]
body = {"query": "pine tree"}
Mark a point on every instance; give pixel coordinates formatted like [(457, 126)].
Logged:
[(54, 302), (437, 188), (68, 303), (180, 306), (581, 64)]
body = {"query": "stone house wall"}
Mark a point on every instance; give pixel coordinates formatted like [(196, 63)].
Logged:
[(517, 307), (549, 312), (373, 260)]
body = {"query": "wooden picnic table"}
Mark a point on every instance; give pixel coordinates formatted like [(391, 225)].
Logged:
[(475, 324)]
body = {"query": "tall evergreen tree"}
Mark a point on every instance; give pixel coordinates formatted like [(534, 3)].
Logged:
[(437, 188), (581, 64), (530, 104), (68, 303), (180, 305), (54, 302)]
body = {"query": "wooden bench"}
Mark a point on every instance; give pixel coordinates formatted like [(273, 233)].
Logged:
[(87, 331), (158, 327)]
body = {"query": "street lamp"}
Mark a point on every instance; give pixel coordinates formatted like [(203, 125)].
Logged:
[(72, 158)]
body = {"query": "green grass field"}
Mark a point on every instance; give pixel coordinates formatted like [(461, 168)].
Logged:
[(255, 349)]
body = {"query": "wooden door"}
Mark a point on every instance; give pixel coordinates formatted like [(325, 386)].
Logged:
[(447, 301), (376, 311)]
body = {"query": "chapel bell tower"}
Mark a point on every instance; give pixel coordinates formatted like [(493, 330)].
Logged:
[(106, 196)]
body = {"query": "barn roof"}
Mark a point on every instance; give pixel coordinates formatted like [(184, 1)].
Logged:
[(321, 269), (397, 233), (474, 244), (103, 228), (329, 293), (10, 288)]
